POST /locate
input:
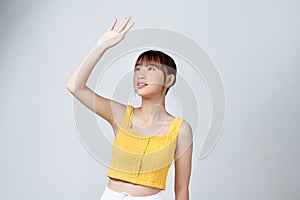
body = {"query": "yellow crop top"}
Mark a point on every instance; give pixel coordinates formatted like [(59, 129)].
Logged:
[(141, 159)]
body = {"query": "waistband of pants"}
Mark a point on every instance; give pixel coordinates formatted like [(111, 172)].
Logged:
[(122, 194)]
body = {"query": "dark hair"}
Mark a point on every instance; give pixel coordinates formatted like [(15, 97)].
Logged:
[(164, 61)]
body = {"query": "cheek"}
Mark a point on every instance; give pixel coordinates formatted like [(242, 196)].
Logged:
[(158, 79), (135, 77)]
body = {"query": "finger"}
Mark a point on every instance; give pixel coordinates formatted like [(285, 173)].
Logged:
[(127, 28), (124, 23), (113, 24)]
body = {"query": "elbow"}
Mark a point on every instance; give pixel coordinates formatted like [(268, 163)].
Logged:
[(70, 89), (74, 90), (69, 86), (73, 87)]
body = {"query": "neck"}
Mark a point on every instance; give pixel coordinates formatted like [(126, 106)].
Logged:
[(153, 108)]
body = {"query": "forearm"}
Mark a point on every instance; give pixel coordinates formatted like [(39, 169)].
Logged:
[(84, 69)]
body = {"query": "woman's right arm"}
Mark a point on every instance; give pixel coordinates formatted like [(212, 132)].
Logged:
[(77, 83)]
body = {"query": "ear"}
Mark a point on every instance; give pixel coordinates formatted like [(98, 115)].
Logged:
[(169, 80)]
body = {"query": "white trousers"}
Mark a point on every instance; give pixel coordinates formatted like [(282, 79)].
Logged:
[(110, 194)]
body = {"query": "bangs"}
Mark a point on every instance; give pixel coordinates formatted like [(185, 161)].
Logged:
[(149, 59)]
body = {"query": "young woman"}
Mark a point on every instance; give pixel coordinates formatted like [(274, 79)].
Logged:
[(147, 138)]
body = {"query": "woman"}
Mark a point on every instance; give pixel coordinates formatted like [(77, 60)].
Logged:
[(140, 159)]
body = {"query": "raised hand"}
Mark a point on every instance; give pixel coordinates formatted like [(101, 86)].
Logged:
[(114, 35)]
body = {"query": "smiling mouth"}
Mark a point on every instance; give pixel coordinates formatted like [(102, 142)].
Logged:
[(141, 85)]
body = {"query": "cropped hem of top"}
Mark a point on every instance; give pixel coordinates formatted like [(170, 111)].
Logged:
[(141, 159)]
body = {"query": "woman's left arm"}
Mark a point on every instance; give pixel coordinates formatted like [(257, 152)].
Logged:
[(183, 161)]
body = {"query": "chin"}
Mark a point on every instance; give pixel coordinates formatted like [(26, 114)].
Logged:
[(147, 94), (143, 94)]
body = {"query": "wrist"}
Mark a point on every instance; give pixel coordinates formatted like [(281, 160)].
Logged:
[(102, 45)]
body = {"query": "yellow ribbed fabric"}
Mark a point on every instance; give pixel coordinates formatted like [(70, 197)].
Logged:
[(141, 159)]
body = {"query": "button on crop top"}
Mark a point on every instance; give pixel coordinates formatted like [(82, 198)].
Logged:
[(141, 159)]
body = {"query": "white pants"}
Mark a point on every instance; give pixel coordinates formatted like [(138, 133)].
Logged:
[(110, 194)]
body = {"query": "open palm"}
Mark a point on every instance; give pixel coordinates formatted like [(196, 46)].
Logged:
[(113, 36)]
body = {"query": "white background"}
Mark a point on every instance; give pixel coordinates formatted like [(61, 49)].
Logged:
[(254, 44)]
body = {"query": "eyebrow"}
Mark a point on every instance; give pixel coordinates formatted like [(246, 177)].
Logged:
[(152, 64)]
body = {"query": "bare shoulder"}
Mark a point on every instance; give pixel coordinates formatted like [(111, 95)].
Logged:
[(184, 138), (185, 130)]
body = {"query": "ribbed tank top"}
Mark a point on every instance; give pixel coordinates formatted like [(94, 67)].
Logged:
[(141, 159)]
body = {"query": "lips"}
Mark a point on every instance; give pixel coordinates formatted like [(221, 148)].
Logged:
[(141, 84)]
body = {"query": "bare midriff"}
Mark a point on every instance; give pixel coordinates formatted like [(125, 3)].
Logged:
[(131, 188)]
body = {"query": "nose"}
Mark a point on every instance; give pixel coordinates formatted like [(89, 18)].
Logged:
[(141, 76)]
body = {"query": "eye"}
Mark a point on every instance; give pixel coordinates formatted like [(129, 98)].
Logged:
[(136, 69), (151, 68)]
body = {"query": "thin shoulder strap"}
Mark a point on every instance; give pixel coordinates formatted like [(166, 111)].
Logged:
[(175, 127), (126, 119)]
